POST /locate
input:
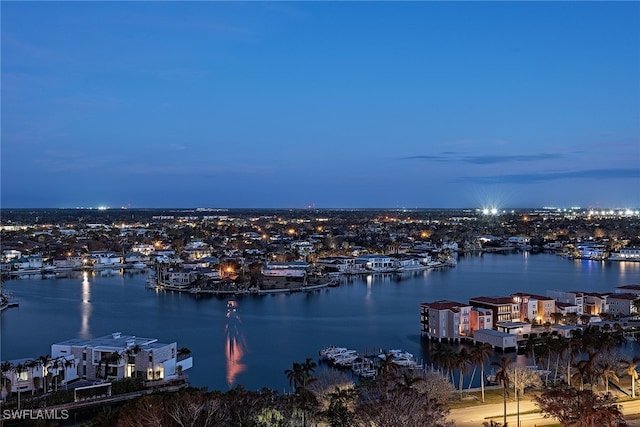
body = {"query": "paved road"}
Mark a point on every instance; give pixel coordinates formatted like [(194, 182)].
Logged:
[(474, 416)]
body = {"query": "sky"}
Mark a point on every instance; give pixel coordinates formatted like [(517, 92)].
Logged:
[(324, 104)]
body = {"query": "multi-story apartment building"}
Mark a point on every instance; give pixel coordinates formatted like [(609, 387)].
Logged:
[(534, 308), (503, 308), (622, 304), (631, 289), (480, 318), (595, 303), (574, 298), (565, 308), (445, 320)]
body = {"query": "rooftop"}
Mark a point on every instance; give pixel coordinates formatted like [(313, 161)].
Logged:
[(112, 341), (492, 300)]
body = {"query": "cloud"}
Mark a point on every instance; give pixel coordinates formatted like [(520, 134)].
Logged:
[(532, 178), (485, 159)]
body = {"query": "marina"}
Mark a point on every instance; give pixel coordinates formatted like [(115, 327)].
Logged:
[(369, 364)]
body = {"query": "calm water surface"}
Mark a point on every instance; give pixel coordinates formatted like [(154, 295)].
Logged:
[(255, 344)]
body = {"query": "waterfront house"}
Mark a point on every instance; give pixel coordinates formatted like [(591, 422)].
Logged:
[(104, 259), (496, 339), (341, 264), (625, 254), (177, 278), (376, 262), (133, 257), (68, 262), (592, 251), (405, 262), (297, 269), (117, 356), (9, 254), (35, 261)]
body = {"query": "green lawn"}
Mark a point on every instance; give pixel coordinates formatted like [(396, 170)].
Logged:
[(490, 396)]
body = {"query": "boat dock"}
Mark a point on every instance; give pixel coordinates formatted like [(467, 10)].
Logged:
[(367, 365)]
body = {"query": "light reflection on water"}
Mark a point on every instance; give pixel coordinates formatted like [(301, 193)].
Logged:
[(85, 310), (235, 345)]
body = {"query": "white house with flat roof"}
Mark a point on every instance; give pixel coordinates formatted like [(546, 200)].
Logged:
[(496, 339), (514, 328), (117, 356)]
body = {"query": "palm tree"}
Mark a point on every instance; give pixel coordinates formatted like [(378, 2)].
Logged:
[(299, 377), (561, 345), (294, 375), (32, 364), (131, 352), (530, 346), (68, 363), (183, 352), (548, 346), (586, 369), (446, 358), (631, 367), (479, 354), (557, 317), (44, 360), (56, 364), (113, 359), (606, 371), (5, 368), (388, 367), (308, 367), (573, 348), (19, 369), (502, 377), (462, 363)]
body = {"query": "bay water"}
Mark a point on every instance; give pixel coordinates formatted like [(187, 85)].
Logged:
[(254, 339)]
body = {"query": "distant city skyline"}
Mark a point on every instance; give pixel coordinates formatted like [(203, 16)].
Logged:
[(332, 105)]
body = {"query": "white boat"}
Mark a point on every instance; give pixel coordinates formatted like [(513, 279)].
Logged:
[(341, 356), (364, 368), (401, 358), (346, 359), (139, 265), (325, 352)]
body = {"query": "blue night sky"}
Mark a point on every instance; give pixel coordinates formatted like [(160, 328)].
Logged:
[(340, 104)]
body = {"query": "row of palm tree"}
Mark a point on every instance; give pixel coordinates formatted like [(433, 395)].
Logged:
[(590, 352), (449, 360), (589, 356), (45, 361)]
